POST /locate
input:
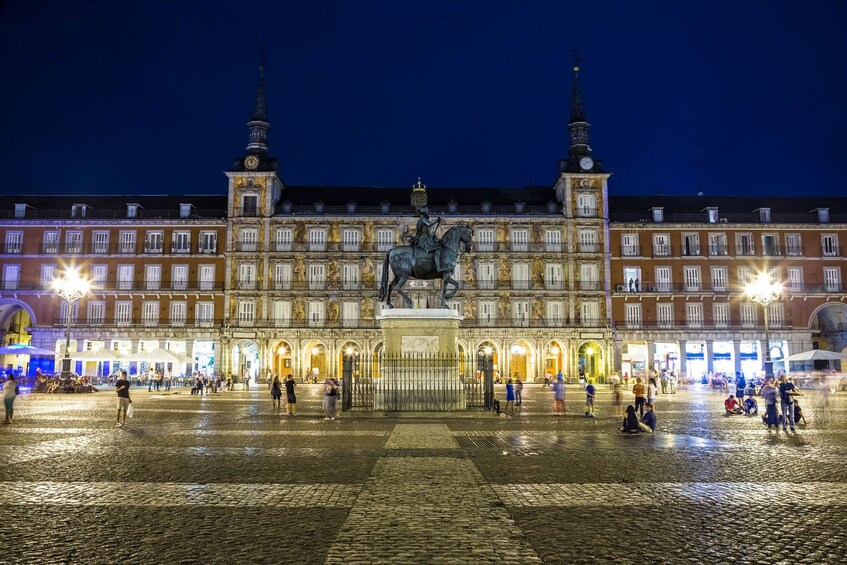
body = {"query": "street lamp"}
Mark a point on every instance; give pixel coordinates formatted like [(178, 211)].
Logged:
[(70, 288), (764, 291)]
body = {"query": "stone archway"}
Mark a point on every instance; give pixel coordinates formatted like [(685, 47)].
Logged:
[(521, 365), (16, 317), (592, 359), (316, 360), (829, 323), (555, 357), (246, 361), (282, 358)]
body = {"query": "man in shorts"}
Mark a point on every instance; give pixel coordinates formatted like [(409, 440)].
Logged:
[(122, 388)]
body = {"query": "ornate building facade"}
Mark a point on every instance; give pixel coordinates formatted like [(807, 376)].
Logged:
[(284, 279)]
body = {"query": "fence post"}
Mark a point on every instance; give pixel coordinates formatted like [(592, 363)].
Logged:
[(488, 379), (347, 382)]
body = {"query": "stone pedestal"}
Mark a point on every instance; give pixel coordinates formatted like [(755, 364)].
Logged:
[(420, 370)]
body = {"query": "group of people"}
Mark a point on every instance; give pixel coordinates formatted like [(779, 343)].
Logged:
[(290, 398), (76, 383), (783, 391)]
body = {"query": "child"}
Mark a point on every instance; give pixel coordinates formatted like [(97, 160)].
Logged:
[(589, 400)]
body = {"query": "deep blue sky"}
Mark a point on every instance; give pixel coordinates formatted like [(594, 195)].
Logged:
[(152, 96)]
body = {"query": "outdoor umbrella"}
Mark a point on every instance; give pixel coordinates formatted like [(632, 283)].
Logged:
[(23, 349), (817, 355), (101, 355), (158, 355)]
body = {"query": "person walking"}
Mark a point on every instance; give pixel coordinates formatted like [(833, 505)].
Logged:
[(582, 379), (331, 395), (518, 392), (638, 391), (122, 389), (510, 399), (787, 390), (652, 392), (276, 393), (770, 393), (559, 395), (615, 381), (10, 392), (664, 378), (589, 399), (290, 398)]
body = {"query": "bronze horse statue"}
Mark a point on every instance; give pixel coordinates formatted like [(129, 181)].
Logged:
[(409, 262)]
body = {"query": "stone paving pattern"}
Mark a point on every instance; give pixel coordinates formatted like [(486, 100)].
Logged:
[(227, 479)]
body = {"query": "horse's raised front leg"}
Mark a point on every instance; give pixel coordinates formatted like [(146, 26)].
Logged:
[(399, 288), (453, 292)]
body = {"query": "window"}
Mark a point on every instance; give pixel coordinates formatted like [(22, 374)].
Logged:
[(14, 241), (20, 210), (282, 276), (178, 313), (520, 313), (100, 242), (586, 205), (185, 210), (770, 245), (765, 215), (284, 239), (249, 240), (629, 245), (79, 210), (317, 239), (247, 276), (125, 276), (207, 277), (719, 279), (589, 313), (587, 241), (152, 277), (745, 276), (661, 245), (712, 214), (316, 313), (485, 240), (181, 242), (99, 275), (384, 239), (663, 279), (11, 277), (744, 244), (246, 312), (351, 240), (795, 278), (553, 241), (632, 315), (132, 210), (747, 313), (73, 242), (693, 314), (520, 240), (205, 313), (282, 313), (589, 278), (793, 244), (350, 314), (690, 244), (554, 278), (154, 242), (823, 215), (832, 279), (692, 278), (520, 276), (664, 315), (350, 276), (250, 205), (555, 310), (317, 276), (485, 275), (487, 312), (829, 245), (632, 280), (718, 245), (64, 312), (51, 242), (658, 215), (776, 315), (150, 313), (720, 314), (127, 242), (48, 274), (179, 277), (123, 313)]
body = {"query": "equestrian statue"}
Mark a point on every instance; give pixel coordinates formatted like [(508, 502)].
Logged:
[(426, 258)]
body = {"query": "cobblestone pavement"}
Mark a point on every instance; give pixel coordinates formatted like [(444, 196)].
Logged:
[(226, 478)]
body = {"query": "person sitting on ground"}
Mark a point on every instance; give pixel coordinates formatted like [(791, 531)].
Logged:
[(630, 422), (732, 405), (648, 421), (798, 414), (751, 407)]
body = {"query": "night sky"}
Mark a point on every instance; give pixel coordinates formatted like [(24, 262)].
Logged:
[(152, 97)]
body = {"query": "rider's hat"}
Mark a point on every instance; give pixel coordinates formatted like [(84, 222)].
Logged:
[(425, 212)]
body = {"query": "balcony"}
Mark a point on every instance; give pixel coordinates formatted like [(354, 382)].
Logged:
[(661, 251), (830, 251), (153, 247), (772, 251), (588, 248), (745, 251), (207, 250), (631, 251), (584, 212), (12, 248), (718, 250), (180, 249), (690, 251), (590, 285)]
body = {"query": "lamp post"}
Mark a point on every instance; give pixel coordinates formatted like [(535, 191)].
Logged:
[(70, 288), (764, 291)]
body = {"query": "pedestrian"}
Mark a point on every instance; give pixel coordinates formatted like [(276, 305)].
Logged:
[(626, 379), (122, 389), (10, 392), (518, 392), (276, 393), (770, 393), (672, 381), (559, 395), (510, 399), (740, 386), (787, 391), (290, 398), (559, 376), (548, 378), (638, 391), (589, 399), (664, 378), (331, 395), (615, 381), (652, 392), (630, 422), (582, 379)]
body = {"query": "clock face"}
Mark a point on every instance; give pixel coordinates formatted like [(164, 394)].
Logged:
[(586, 163), (251, 162)]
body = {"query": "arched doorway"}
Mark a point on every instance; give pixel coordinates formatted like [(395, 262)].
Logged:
[(245, 360), (590, 359), (554, 358), (487, 352), (829, 331), (282, 359), (520, 361), (352, 350), (316, 361), (16, 319)]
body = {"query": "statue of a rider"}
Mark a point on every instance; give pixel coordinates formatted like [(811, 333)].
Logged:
[(425, 239)]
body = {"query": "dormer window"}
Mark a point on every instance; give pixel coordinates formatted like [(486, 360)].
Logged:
[(286, 207), (250, 205), (765, 215), (519, 207), (551, 207), (132, 210), (185, 210), (658, 214), (20, 210), (79, 210), (823, 215), (486, 207), (712, 215), (319, 207), (385, 206), (351, 207), (452, 206)]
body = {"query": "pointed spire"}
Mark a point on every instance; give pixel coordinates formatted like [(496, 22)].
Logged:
[(578, 124), (258, 124), (577, 111)]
